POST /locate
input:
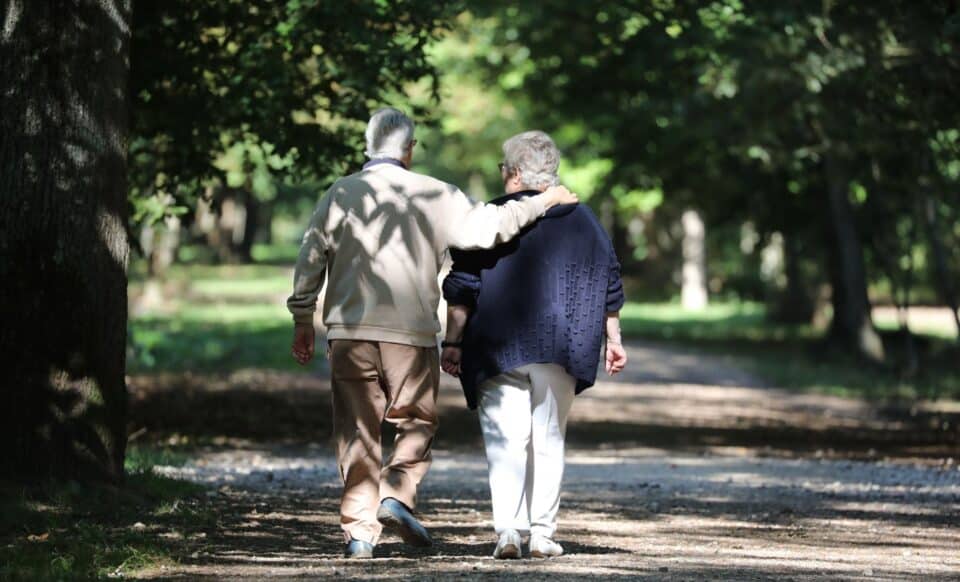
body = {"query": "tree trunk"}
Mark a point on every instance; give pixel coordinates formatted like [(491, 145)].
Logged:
[(945, 285), (794, 305), (63, 238), (852, 324), (693, 291), (251, 225)]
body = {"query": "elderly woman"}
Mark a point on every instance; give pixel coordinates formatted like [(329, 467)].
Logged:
[(525, 326)]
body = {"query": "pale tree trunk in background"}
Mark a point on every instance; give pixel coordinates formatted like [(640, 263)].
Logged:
[(160, 243), (229, 220), (693, 292), (476, 187), (852, 324), (794, 304), (63, 239)]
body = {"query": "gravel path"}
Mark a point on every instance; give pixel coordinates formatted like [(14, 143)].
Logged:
[(681, 469)]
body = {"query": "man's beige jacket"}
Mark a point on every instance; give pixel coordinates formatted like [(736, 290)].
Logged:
[(380, 237)]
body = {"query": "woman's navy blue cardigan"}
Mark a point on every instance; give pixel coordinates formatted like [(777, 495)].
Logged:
[(540, 298)]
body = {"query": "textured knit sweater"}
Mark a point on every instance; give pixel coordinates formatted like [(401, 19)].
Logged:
[(541, 298), (379, 237)]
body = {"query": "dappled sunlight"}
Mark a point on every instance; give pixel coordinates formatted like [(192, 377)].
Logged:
[(628, 511)]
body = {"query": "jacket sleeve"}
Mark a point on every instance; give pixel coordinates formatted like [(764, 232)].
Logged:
[(615, 295), (311, 269), (461, 286), (474, 225)]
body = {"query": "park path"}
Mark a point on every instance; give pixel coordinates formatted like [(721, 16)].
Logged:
[(682, 468)]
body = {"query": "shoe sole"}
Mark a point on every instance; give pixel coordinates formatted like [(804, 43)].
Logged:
[(406, 533), (509, 552)]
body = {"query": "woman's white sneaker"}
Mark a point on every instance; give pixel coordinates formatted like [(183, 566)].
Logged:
[(544, 547), (508, 547)]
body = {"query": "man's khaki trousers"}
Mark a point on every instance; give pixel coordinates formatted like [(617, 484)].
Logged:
[(372, 382)]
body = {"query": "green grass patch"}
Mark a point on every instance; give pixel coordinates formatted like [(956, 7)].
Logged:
[(279, 284), (251, 274), (716, 322), (214, 318), (797, 357), (277, 253), (71, 531)]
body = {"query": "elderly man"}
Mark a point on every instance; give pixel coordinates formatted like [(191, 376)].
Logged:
[(379, 237), (539, 309)]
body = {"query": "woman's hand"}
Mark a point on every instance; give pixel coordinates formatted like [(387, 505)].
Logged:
[(450, 360), (616, 358)]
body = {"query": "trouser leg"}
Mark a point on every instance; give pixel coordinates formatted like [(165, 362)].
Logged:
[(504, 410), (552, 393), (358, 405), (412, 380)]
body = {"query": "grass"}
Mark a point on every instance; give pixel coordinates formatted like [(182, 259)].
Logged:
[(230, 317), (214, 319), (797, 357), (72, 531)]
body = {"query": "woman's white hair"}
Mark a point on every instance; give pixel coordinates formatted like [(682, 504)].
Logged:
[(388, 134), (536, 156)]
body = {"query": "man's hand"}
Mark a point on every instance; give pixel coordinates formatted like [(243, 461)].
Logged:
[(303, 338), (450, 360), (616, 358), (557, 195)]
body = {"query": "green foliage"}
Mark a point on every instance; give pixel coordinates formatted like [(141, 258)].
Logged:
[(736, 108), (257, 92)]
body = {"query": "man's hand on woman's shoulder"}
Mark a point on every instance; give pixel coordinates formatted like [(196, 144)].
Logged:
[(557, 195)]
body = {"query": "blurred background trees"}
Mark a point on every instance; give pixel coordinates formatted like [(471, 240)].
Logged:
[(780, 180), (815, 123), (801, 155), (243, 110)]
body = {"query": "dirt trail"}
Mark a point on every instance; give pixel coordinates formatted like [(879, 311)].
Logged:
[(683, 468)]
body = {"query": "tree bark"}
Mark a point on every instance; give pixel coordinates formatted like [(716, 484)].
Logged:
[(852, 324), (945, 284), (63, 237), (794, 305), (693, 291)]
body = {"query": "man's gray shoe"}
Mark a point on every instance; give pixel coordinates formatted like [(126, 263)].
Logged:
[(359, 549), (397, 518)]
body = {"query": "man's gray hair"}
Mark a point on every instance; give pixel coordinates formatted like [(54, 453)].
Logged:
[(388, 134), (536, 156)]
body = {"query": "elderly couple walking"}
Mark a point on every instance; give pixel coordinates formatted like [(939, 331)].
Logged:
[(533, 293)]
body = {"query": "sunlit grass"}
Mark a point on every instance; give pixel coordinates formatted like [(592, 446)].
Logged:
[(795, 356), (231, 317), (943, 328), (70, 531), (214, 318), (230, 288)]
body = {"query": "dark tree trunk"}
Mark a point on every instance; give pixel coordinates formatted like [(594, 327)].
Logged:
[(63, 238), (852, 324), (945, 284)]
